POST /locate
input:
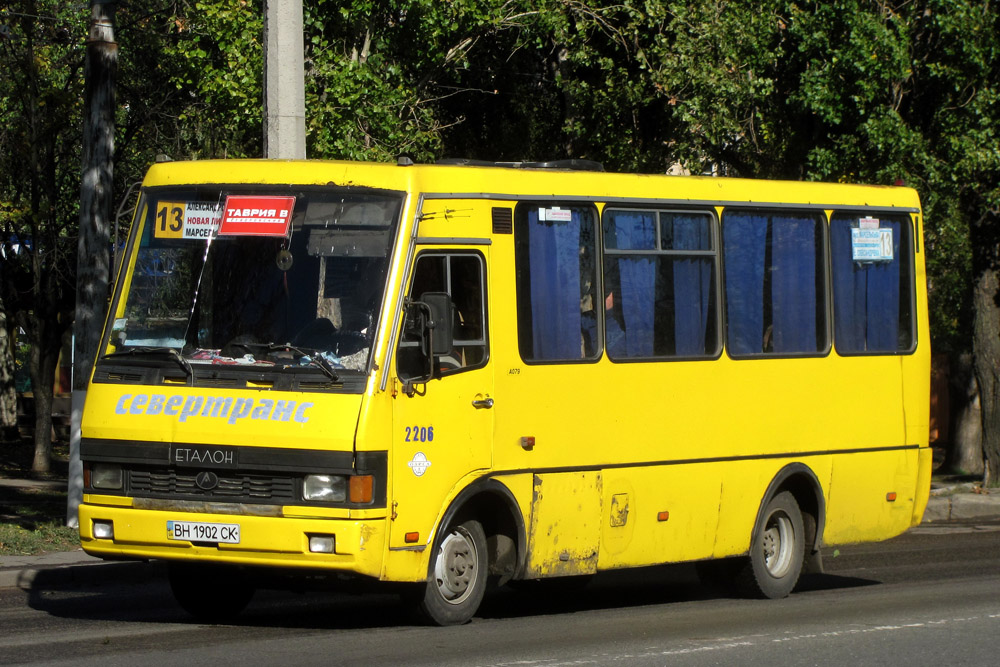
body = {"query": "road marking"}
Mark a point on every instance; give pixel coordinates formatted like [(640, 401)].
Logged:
[(728, 643), (603, 658)]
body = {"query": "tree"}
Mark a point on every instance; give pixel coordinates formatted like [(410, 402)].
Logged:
[(385, 79), (38, 183), (847, 90), (8, 397), (840, 90)]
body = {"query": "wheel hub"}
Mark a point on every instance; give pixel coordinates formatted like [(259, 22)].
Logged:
[(777, 543), (456, 568)]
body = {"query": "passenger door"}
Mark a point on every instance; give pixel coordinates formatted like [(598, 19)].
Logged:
[(442, 428)]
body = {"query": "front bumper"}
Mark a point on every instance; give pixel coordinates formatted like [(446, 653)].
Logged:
[(276, 541)]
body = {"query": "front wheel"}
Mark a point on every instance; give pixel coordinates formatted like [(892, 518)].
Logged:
[(456, 581), (776, 554)]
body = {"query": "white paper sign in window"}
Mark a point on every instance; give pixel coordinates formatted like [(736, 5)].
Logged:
[(871, 245), (555, 214)]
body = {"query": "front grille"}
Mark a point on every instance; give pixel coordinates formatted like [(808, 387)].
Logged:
[(234, 487)]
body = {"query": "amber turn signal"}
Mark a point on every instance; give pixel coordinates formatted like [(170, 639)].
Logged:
[(361, 488)]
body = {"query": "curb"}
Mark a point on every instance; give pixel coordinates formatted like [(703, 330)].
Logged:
[(961, 506)]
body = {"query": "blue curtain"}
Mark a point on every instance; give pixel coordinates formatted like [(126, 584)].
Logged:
[(866, 298), (692, 285), (636, 231), (793, 284), (557, 323), (744, 238), (790, 298)]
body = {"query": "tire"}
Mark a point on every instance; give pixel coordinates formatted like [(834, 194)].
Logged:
[(776, 552), (210, 593), (456, 580)]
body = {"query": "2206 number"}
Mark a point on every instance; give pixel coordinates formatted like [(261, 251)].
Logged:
[(419, 434)]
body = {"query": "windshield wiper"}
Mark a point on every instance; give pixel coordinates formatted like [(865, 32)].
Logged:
[(314, 357), (320, 362), (169, 351)]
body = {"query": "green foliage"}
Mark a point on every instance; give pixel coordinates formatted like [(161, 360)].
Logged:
[(841, 90), (40, 98), (384, 79), (41, 95), (191, 82)]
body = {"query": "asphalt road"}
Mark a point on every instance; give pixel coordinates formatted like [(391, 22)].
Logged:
[(931, 597)]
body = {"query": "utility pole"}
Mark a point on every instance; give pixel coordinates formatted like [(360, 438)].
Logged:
[(96, 211), (284, 81)]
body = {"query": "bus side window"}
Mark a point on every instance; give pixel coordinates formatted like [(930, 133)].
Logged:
[(873, 298), (461, 275), (775, 268), (556, 264), (659, 284)]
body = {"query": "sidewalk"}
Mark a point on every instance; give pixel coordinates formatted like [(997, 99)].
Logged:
[(954, 500), (72, 568), (950, 501), (66, 568)]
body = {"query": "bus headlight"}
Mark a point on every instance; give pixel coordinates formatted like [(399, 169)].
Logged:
[(325, 488), (106, 476)]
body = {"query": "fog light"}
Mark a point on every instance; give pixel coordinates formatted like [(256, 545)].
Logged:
[(321, 544), (325, 488), (106, 476), (104, 530)]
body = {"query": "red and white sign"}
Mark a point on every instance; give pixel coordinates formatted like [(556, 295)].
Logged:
[(247, 215)]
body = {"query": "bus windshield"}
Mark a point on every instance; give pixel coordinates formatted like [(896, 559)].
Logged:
[(275, 276)]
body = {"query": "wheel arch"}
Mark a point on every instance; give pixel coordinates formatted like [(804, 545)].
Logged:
[(493, 505), (799, 480)]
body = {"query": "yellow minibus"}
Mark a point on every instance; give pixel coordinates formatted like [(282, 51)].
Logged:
[(440, 375)]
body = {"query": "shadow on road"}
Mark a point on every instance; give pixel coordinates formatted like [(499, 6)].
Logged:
[(824, 582), (141, 595)]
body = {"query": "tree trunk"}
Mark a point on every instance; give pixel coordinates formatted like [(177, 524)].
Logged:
[(44, 359), (966, 452), (8, 396), (986, 349), (96, 191)]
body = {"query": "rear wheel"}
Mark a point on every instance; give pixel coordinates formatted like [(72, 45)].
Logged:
[(457, 578), (776, 554), (210, 593)]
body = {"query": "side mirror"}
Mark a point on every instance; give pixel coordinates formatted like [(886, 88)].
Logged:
[(439, 323), (431, 319)]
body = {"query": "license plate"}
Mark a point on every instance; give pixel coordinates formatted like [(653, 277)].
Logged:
[(197, 531)]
